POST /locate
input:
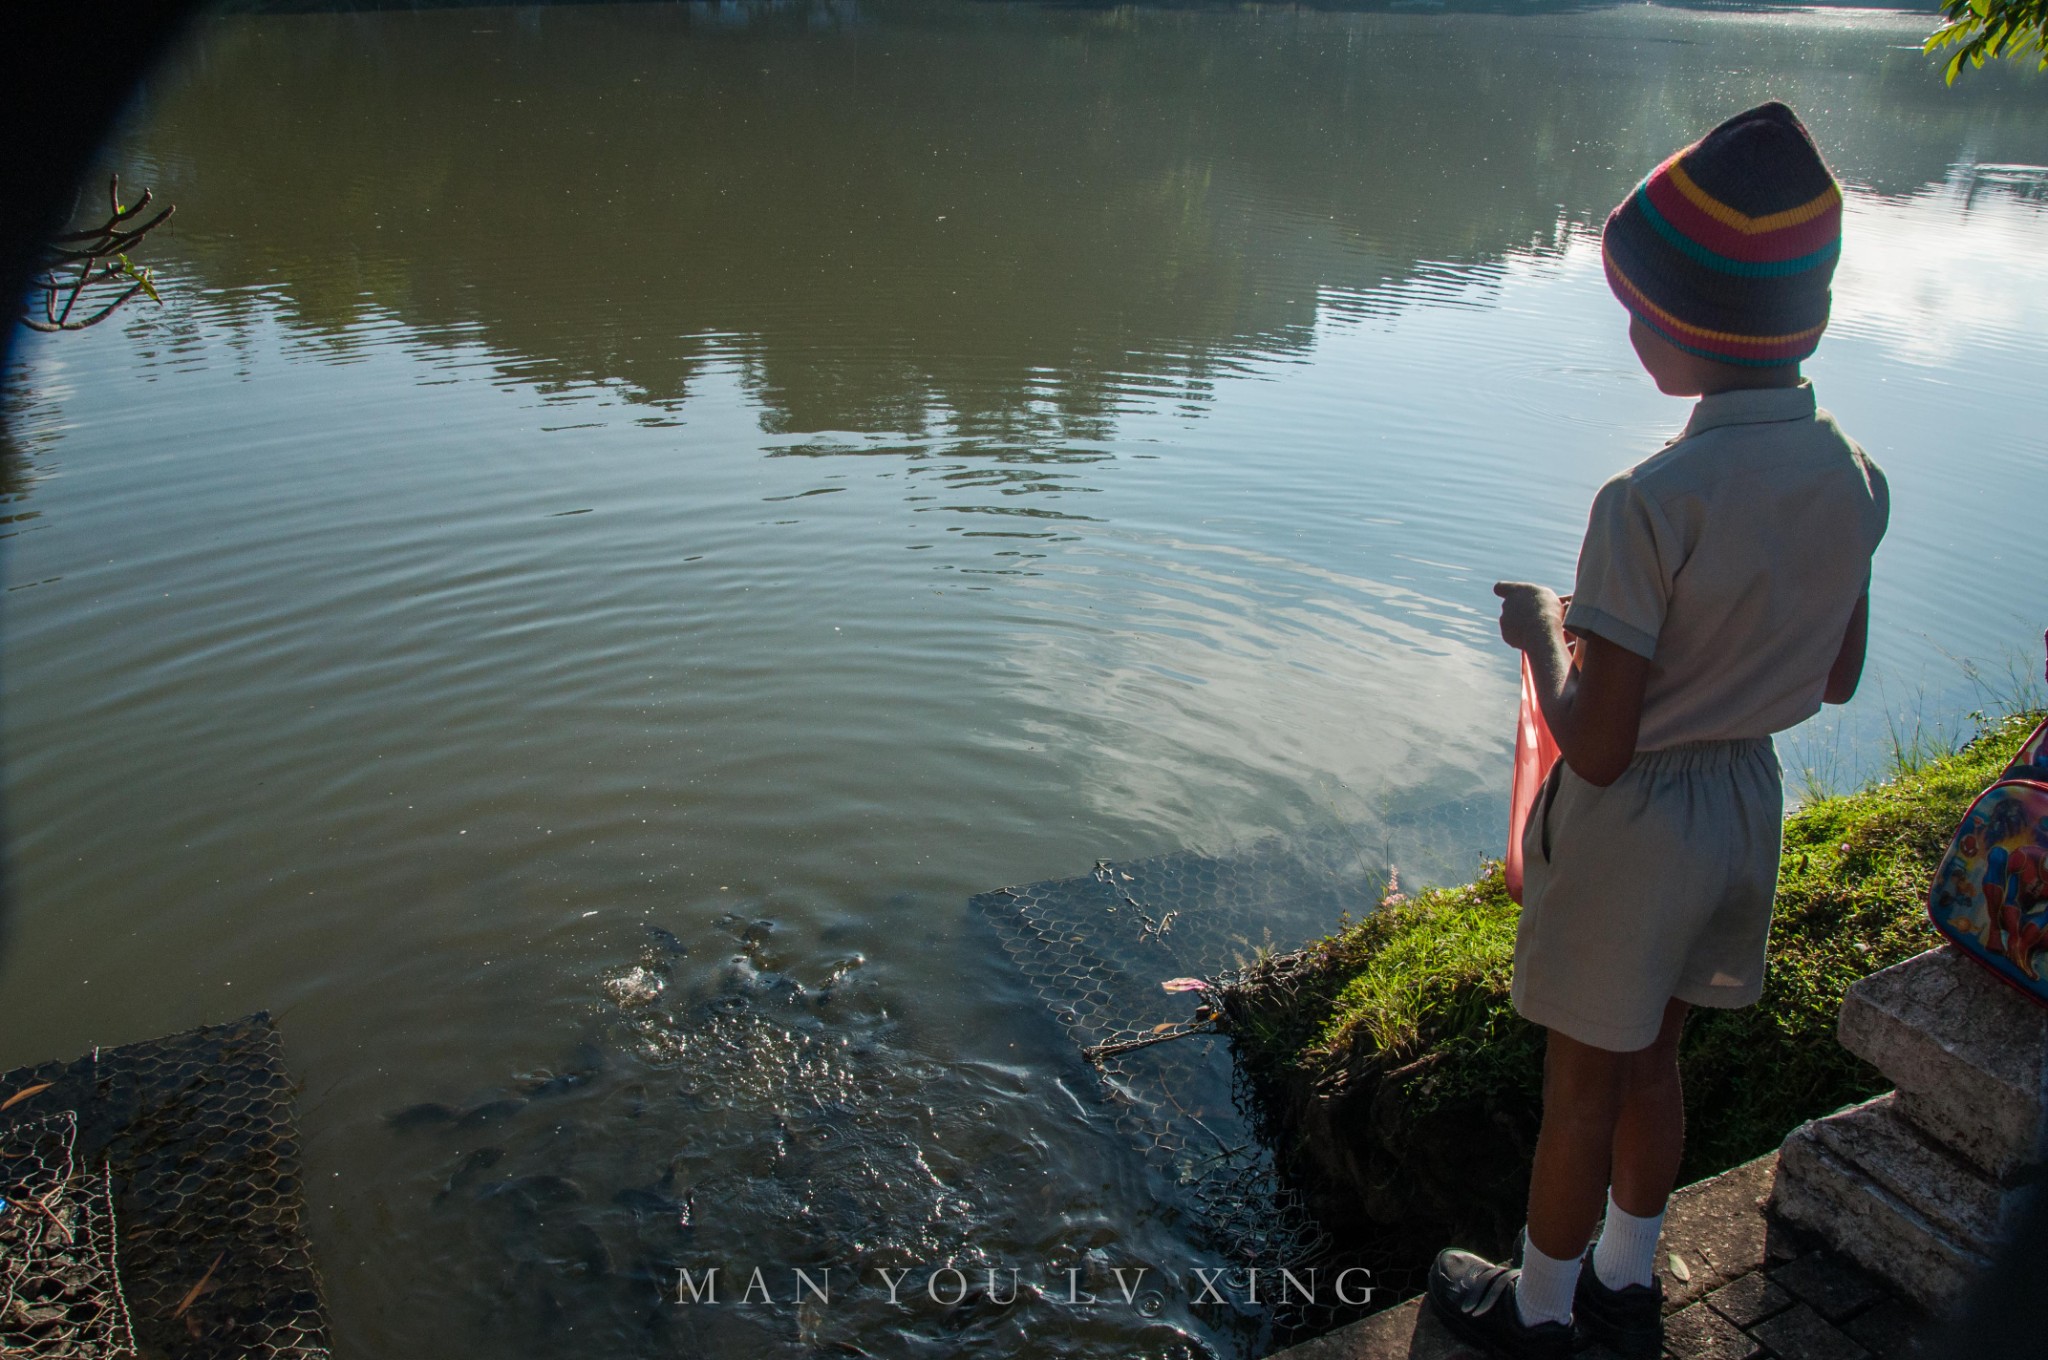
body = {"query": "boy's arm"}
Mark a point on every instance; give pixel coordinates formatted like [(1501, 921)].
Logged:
[(1595, 709), (1847, 671)]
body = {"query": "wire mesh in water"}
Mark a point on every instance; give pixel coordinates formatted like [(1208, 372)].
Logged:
[(1096, 950), (188, 1143), (59, 1293)]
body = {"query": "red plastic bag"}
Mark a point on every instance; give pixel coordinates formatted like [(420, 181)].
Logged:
[(1535, 753)]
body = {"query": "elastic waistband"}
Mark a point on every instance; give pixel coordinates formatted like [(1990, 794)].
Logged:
[(1705, 755)]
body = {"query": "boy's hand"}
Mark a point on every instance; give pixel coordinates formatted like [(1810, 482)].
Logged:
[(1530, 615), (1594, 709)]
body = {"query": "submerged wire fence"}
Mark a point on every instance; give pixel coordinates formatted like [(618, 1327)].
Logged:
[(1096, 950), (153, 1201)]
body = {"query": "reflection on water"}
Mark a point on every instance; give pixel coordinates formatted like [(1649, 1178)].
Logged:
[(706, 490), (1985, 293), (985, 229)]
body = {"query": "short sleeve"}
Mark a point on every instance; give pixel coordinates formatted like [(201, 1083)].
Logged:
[(1880, 499), (1625, 570)]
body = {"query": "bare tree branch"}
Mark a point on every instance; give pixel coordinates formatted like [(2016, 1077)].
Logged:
[(89, 264)]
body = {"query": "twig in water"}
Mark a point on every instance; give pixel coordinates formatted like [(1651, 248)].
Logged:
[(1095, 1053)]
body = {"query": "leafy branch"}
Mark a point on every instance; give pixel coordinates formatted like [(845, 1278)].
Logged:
[(1977, 31), (93, 263)]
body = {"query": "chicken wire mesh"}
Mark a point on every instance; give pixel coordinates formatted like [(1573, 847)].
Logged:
[(59, 1294), (191, 1143), (1096, 949)]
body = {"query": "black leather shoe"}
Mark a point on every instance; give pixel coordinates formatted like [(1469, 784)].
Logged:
[(1476, 1300), (1628, 1321)]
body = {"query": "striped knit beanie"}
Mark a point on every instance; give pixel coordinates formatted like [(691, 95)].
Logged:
[(1727, 249)]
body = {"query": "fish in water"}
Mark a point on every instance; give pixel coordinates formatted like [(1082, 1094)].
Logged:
[(483, 1159), (586, 1249), (585, 1062), (652, 1270), (555, 1086), (480, 1159), (490, 1110), (547, 1188), (658, 1200), (667, 940), (535, 1192), (651, 1202), (420, 1116)]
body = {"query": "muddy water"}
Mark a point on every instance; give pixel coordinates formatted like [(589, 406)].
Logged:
[(704, 490)]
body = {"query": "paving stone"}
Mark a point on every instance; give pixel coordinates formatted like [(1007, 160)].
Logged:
[(1749, 1300), (1407, 1331), (1799, 1333), (1700, 1333), (1835, 1288), (1890, 1331), (1968, 1054), (1715, 1228)]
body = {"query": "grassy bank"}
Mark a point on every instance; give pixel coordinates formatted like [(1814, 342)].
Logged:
[(1398, 1078)]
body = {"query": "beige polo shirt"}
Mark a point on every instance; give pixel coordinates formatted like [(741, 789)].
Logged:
[(1732, 560)]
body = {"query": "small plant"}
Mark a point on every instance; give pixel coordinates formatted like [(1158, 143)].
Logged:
[(92, 265)]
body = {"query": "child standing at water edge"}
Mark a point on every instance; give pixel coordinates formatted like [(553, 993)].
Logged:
[(1722, 596)]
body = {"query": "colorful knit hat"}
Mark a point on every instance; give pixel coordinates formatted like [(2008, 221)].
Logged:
[(1727, 249)]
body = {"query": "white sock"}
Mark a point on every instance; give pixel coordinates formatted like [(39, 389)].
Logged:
[(1627, 1251), (1544, 1293)]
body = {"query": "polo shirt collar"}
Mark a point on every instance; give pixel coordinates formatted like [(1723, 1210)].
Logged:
[(1752, 406)]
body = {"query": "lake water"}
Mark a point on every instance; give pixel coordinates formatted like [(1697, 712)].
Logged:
[(710, 488)]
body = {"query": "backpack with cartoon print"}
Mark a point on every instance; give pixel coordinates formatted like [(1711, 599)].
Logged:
[(1990, 896)]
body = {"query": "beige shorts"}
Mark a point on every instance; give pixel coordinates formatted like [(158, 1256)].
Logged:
[(1658, 885)]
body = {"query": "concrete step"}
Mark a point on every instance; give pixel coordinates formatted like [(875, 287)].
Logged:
[(1968, 1054), (1880, 1191)]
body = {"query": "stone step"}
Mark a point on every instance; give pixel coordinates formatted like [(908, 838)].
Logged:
[(1875, 1187), (1968, 1054)]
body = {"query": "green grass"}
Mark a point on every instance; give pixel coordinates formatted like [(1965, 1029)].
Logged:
[(1407, 1012)]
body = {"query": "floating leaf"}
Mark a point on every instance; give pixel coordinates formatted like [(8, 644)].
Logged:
[(200, 1288), (1185, 985), (23, 1094)]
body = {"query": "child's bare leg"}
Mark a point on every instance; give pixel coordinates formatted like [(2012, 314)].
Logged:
[(1583, 1091), (1649, 1134)]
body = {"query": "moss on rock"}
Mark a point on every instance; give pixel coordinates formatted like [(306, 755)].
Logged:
[(1399, 1081)]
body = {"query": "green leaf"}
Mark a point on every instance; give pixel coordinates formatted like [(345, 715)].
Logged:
[(145, 278)]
